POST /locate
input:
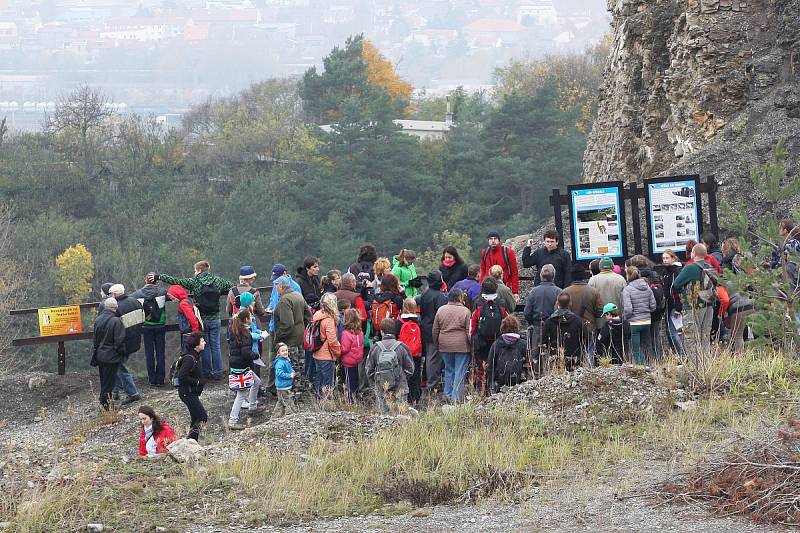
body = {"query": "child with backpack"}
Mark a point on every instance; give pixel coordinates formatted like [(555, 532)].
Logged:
[(284, 380), (507, 362), (611, 339), (387, 304), (485, 329), (188, 316), (389, 363), (410, 334), (352, 350)]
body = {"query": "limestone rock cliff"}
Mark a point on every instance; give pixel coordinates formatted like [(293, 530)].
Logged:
[(703, 86)]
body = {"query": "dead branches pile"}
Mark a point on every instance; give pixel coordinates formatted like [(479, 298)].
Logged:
[(758, 478)]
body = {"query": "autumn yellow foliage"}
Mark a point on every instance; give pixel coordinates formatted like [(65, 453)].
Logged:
[(74, 273), (381, 73)]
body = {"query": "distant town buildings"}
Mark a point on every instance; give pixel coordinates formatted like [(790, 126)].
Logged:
[(165, 55)]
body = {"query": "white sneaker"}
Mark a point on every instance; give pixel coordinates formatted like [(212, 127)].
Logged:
[(245, 405)]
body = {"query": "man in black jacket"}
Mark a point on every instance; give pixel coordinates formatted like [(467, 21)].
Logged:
[(563, 335), (308, 279), (429, 302), (549, 254), (131, 314), (109, 349)]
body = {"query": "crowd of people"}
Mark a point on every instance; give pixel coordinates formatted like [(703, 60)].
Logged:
[(378, 331)]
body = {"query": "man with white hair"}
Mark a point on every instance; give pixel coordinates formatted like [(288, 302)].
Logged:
[(130, 312)]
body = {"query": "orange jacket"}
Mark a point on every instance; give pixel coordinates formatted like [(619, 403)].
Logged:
[(331, 349)]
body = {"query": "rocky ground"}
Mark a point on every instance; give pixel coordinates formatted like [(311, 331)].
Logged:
[(49, 427)]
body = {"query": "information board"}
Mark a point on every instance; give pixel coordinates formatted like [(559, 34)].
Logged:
[(673, 213), (598, 221), (60, 320)]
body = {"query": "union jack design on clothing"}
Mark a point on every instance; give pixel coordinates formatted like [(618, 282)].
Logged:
[(241, 381)]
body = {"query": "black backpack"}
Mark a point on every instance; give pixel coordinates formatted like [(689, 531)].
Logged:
[(152, 312), (509, 363), (490, 317), (208, 300), (657, 286)]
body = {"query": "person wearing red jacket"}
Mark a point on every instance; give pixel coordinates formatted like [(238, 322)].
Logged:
[(188, 319), (155, 434), (499, 254)]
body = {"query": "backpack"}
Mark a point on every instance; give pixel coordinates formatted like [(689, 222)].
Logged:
[(387, 370), (509, 363), (237, 303), (707, 292), (208, 300), (312, 338), (489, 318), (152, 311), (379, 311), (173, 371), (411, 336), (657, 286)]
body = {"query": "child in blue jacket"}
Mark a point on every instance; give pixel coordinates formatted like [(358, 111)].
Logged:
[(284, 379)]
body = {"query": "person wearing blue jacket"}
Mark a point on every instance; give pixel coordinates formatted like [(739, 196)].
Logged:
[(284, 379)]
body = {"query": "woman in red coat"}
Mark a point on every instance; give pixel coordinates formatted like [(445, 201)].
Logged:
[(155, 433)]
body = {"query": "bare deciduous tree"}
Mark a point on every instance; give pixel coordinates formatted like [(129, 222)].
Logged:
[(79, 112)]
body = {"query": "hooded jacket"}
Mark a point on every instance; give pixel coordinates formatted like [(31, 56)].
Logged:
[(470, 287), (639, 301), (241, 351), (283, 373), (196, 283), (403, 357), (506, 341), (190, 374), (109, 339), (157, 293), (187, 320), (673, 298), (429, 303), (132, 316), (453, 274), (352, 348), (610, 341), (309, 287), (564, 331), (405, 273)]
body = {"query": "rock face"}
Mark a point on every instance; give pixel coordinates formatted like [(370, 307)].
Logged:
[(690, 83)]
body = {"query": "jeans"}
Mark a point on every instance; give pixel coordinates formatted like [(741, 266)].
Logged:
[(351, 382), (154, 354), (590, 347), (455, 372), (212, 354), (637, 332), (196, 412), (433, 366), (251, 395), (309, 366), (108, 378), (324, 384), (125, 381), (674, 336), (284, 405)]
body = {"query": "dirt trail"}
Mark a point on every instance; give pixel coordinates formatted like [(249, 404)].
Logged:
[(33, 420)]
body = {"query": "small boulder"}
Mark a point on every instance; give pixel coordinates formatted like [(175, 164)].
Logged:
[(185, 450), (95, 528), (36, 382), (689, 405)]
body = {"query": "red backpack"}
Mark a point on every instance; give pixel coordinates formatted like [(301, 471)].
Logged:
[(411, 336)]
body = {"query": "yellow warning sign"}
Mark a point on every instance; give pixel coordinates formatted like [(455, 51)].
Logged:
[(60, 320)]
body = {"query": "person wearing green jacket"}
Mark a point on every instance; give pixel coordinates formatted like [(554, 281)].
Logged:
[(403, 267), (205, 289), (699, 314)]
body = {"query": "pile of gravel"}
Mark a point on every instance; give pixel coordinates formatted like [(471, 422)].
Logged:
[(589, 398)]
